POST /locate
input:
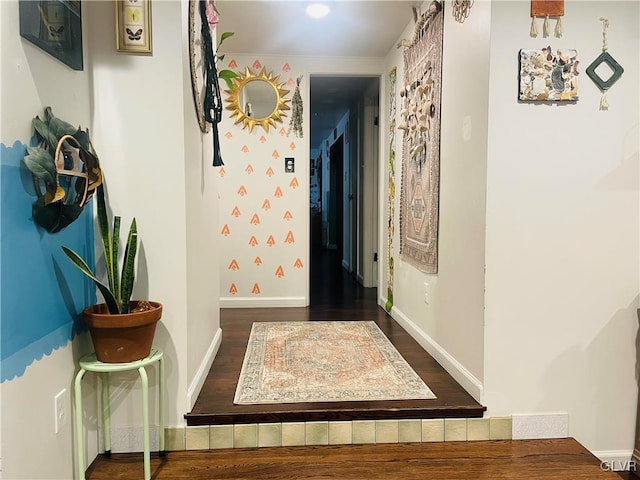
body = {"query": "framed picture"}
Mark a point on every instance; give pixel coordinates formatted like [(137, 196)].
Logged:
[(133, 26), (55, 26), (548, 76)]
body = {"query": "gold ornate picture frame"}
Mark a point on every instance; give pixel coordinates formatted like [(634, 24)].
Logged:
[(133, 26)]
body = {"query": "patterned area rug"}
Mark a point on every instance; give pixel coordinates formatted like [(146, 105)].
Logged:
[(292, 362)]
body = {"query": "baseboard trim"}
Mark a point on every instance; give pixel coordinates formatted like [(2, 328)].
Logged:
[(464, 377), (535, 426), (201, 374), (262, 302), (617, 460)]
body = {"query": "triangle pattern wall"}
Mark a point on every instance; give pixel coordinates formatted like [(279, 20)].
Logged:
[(263, 209)]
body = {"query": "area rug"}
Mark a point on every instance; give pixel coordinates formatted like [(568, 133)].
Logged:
[(292, 362)]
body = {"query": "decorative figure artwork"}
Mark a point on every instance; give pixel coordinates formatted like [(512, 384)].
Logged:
[(295, 123), (420, 123), (547, 9), (549, 76), (55, 27), (392, 186), (604, 57), (133, 26), (460, 9), (204, 75)]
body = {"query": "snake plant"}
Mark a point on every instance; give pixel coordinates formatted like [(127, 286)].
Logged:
[(117, 294)]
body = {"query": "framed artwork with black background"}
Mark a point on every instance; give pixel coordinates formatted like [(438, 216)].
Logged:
[(55, 26)]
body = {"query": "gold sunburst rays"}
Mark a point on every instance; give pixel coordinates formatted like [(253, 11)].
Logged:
[(281, 103)]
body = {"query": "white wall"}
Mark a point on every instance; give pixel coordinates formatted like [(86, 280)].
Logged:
[(451, 325), (203, 278), (158, 168), (31, 79), (562, 233), (138, 130)]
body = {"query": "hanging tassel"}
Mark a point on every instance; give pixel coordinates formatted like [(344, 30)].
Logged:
[(533, 33), (604, 102), (545, 27), (559, 30)]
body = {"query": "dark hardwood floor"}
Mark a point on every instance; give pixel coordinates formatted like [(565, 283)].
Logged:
[(335, 295), (556, 459), (627, 475)]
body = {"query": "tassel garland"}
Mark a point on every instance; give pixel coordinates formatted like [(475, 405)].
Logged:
[(559, 29), (604, 102), (533, 33), (546, 27)]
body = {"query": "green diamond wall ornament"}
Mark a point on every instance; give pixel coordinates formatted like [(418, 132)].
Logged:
[(604, 57), (602, 84)]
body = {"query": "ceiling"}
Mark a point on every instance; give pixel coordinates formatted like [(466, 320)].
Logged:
[(354, 28)]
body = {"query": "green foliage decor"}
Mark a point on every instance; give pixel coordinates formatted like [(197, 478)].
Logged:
[(117, 294), (67, 186), (226, 74)]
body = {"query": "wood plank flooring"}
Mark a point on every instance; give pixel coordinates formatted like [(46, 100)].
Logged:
[(335, 296), (556, 459)]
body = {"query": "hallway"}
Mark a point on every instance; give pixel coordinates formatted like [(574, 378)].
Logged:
[(335, 295)]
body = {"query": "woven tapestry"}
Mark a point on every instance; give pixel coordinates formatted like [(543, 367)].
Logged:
[(420, 123)]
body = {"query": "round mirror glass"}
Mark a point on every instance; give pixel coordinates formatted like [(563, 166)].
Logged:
[(258, 99)]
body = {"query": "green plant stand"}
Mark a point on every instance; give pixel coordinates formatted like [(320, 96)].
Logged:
[(89, 363)]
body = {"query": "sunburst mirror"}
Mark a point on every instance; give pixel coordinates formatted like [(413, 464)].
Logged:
[(257, 99)]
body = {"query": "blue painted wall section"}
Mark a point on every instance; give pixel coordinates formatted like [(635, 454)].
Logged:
[(42, 294)]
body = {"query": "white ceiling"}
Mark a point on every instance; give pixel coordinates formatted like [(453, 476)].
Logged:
[(354, 28)]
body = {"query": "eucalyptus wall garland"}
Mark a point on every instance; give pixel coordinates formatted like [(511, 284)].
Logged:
[(296, 115)]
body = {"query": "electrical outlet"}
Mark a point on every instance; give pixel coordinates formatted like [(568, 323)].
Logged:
[(61, 412), (426, 293)]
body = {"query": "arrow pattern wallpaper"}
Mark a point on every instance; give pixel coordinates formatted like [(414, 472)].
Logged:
[(263, 209)]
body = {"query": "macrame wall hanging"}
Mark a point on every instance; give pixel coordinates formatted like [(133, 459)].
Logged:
[(460, 9), (203, 18), (420, 122), (604, 57), (547, 9)]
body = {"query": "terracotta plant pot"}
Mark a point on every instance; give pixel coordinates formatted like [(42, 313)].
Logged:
[(122, 338)]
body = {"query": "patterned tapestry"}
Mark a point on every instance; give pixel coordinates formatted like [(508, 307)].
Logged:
[(420, 122)]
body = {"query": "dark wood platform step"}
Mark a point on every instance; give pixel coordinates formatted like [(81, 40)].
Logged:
[(215, 404), (556, 459)]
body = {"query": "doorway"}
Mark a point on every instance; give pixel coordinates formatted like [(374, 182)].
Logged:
[(335, 224), (342, 160)]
